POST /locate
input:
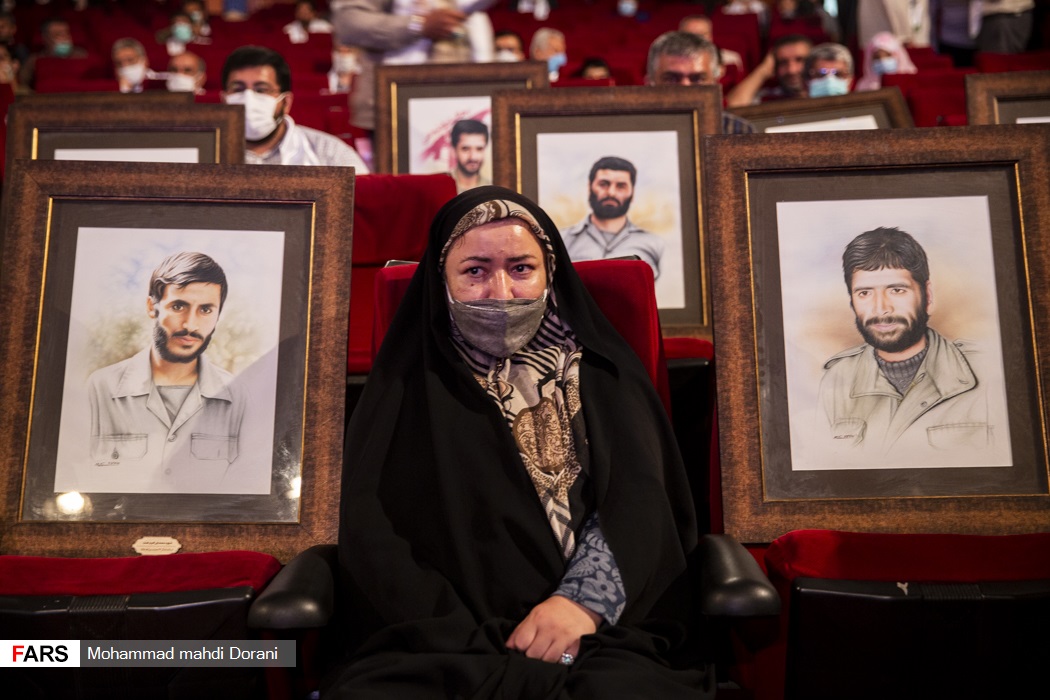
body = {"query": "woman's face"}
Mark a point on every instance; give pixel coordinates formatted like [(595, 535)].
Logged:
[(498, 260)]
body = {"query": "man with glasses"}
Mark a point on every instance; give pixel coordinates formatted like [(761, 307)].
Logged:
[(259, 79), (829, 70), (683, 58)]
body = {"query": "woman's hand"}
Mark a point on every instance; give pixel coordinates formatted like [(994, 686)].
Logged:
[(552, 628)]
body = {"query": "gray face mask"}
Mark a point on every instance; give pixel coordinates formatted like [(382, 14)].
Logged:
[(499, 327)]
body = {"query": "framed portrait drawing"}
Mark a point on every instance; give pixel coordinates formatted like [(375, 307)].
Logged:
[(1021, 97), (418, 108), (857, 111), (626, 160), (176, 365), (879, 306), (127, 131)]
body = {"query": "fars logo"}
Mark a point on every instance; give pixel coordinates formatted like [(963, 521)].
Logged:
[(25, 653)]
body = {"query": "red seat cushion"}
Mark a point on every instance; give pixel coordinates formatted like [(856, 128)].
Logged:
[(906, 557), (20, 575)]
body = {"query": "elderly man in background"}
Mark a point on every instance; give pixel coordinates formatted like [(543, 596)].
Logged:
[(548, 45), (131, 65)]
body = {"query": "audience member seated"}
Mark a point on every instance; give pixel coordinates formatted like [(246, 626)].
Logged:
[(306, 22), (344, 67), (187, 72), (785, 63), (131, 65), (198, 15), (58, 43), (683, 58), (180, 34), (1006, 25), (883, 55), (508, 46), (829, 70), (702, 27), (9, 72), (513, 500), (593, 68), (548, 45), (259, 79), (9, 37)]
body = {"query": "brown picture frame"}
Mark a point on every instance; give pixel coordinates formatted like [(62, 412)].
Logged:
[(310, 210), (887, 106), (520, 117), (217, 130), (1000, 98), (98, 99), (764, 495), (395, 85)]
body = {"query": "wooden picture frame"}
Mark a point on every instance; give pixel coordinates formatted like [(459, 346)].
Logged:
[(100, 99), (80, 247), (547, 141), (882, 109), (799, 447), (445, 93), (35, 129), (1004, 98)]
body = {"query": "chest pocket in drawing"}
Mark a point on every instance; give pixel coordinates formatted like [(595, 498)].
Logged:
[(121, 447), (213, 447)]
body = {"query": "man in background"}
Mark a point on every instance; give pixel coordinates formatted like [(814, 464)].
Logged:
[(187, 72), (785, 62), (58, 43), (259, 79), (130, 65), (508, 46), (829, 71), (684, 59), (548, 45)]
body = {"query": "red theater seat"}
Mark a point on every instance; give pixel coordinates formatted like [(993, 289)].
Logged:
[(392, 215)]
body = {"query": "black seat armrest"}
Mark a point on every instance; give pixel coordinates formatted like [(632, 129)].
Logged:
[(301, 595), (732, 583)]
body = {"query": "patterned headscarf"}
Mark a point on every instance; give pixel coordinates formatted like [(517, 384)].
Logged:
[(537, 388)]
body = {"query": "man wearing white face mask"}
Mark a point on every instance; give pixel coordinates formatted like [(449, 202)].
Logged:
[(259, 79), (130, 65), (829, 70), (187, 73)]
